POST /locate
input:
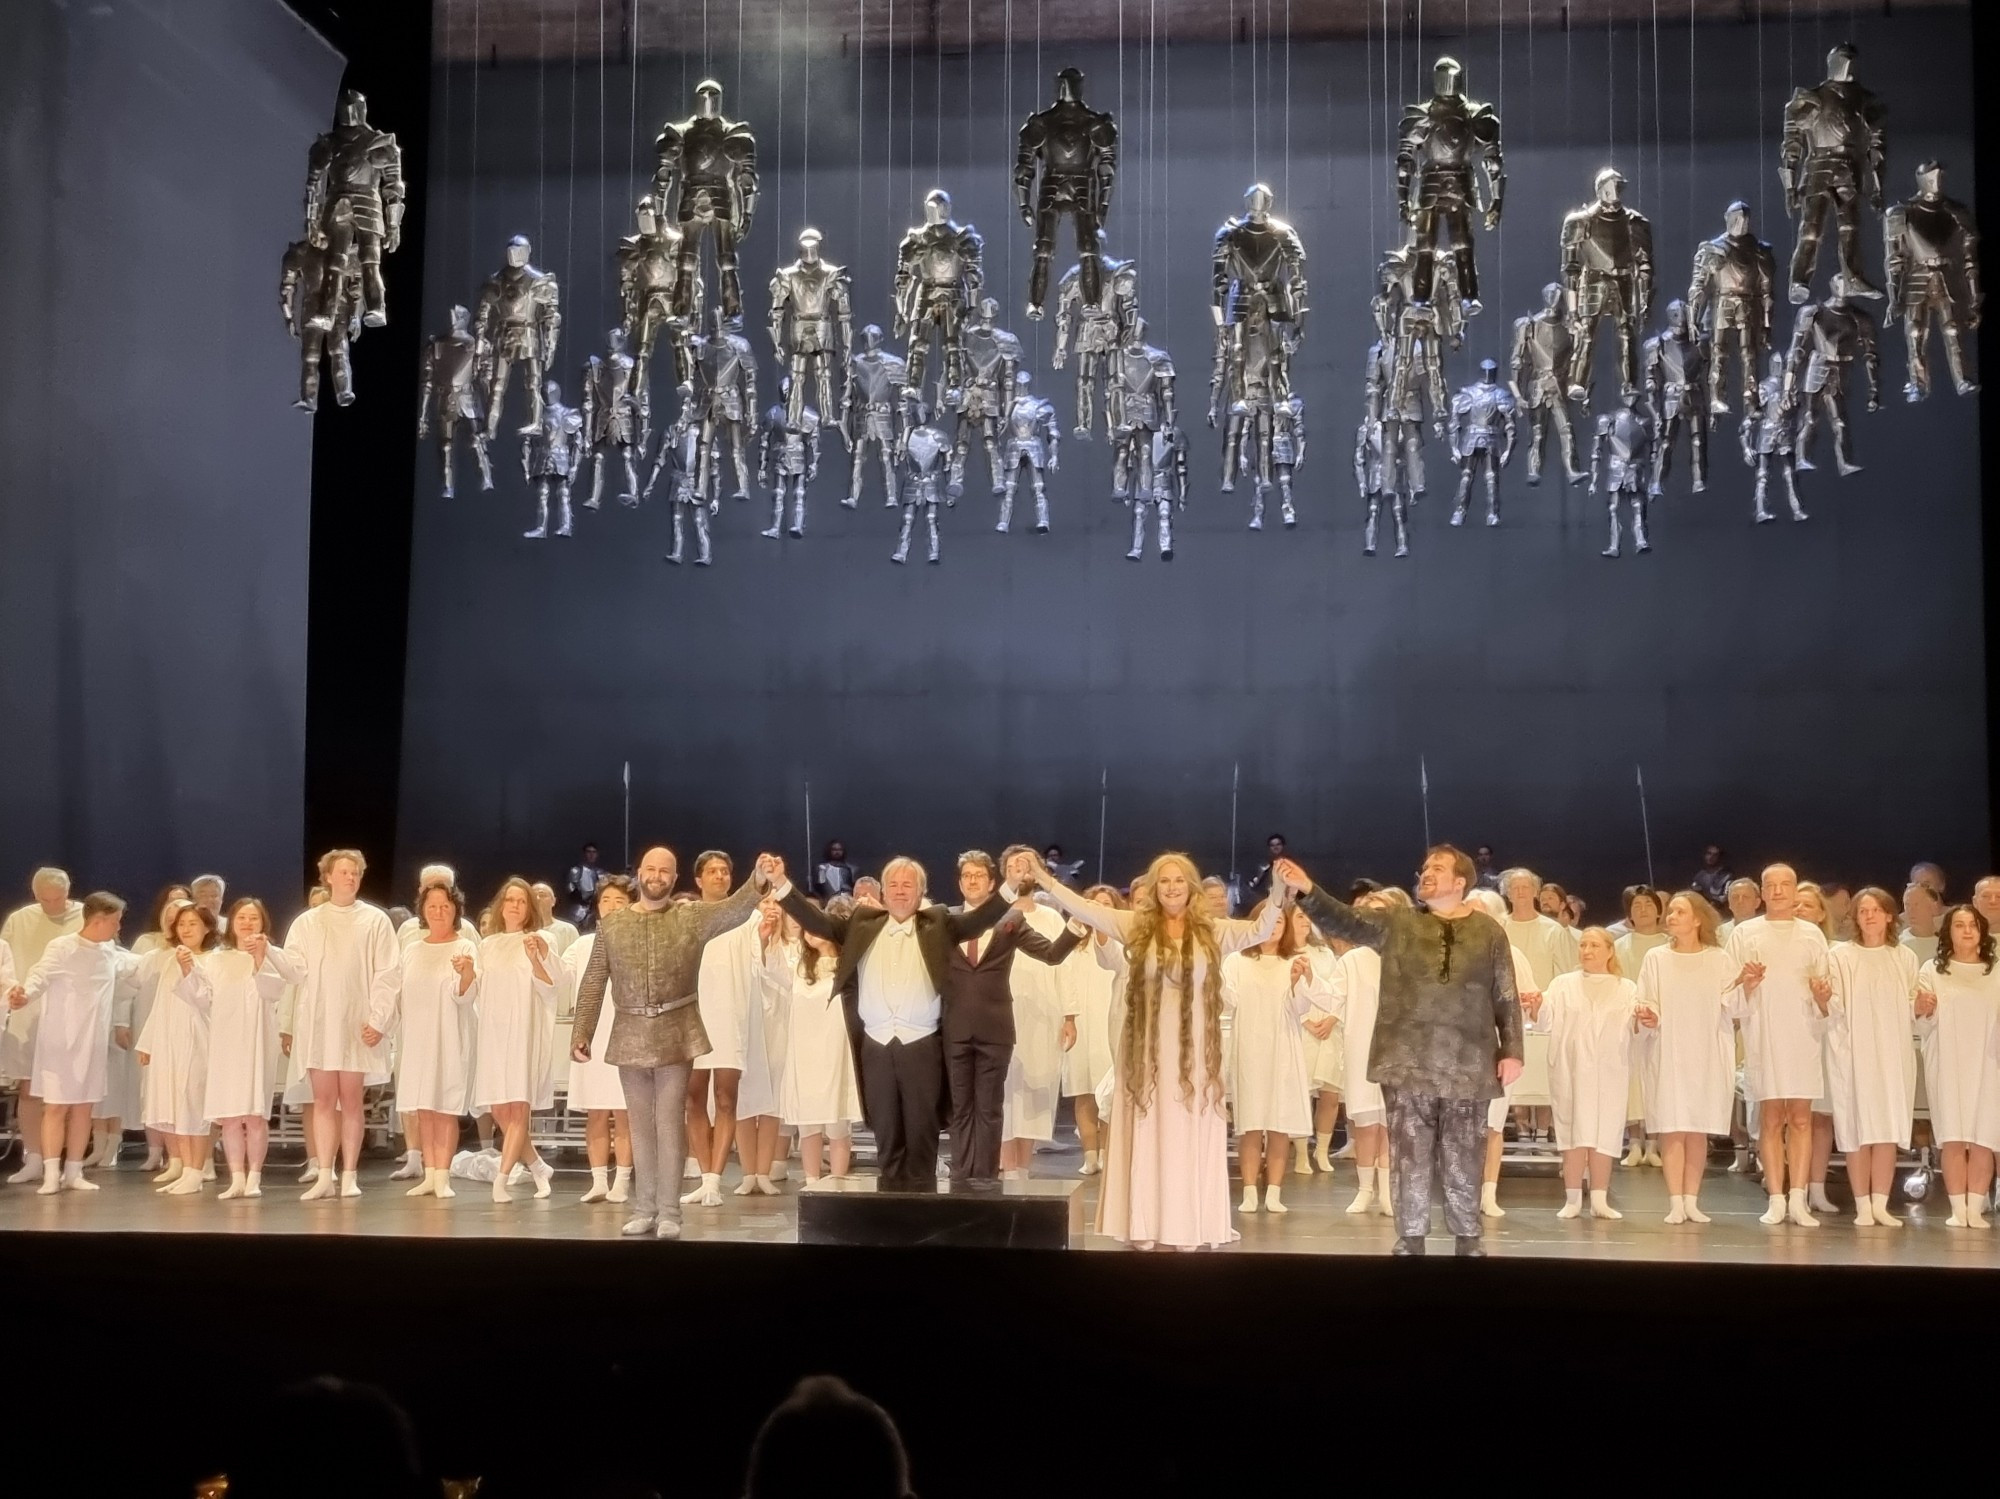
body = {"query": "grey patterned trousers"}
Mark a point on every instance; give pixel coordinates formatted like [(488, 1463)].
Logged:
[(1428, 1133), (656, 1100)]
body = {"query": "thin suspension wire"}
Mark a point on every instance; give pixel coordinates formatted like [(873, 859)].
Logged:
[(778, 156), (805, 135), (1761, 190), (541, 130), (632, 129), (569, 233), (1368, 173), (937, 85), (1498, 334), (1659, 114), (1166, 175), (860, 118), (1288, 101), (450, 47), (472, 176)]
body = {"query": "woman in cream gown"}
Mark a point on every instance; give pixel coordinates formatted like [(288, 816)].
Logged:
[(513, 1062), (595, 1088), (245, 975), (817, 1092), (1958, 1028), (1644, 912), (431, 1015), (173, 1047), (1871, 1075), (1589, 1016), (1086, 1064), (1167, 1180), (1689, 1003), (123, 1101), (1268, 989)]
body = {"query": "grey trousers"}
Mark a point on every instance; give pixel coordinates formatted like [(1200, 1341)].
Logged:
[(656, 1099), (1427, 1135)]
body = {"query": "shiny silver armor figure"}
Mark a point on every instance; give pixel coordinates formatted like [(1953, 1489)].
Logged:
[(1076, 148), (1675, 367), (729, 401), (451, 390), (551, 454), (1621, 463), (1094, 330), (938, 279), (1033, 442), (1543, 350), (706, 167), (1252, 380), (617, 417), (1830, 160), (1148, 449), (812, 326), (1933, 264), (1829, 338), (1484, 425), (693, 493), (1389, 448), (1439, 141), (1771, 440), (989, 357), (1256, 253), (354, 208), (926, 461), (1729, 303), (1607, 261), (517, 321), (302, 284), (789, 458), (874, 413), (1412, 332), (648, 278)]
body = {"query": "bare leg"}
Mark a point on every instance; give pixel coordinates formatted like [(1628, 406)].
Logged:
[(727, 1080), (697, 1115)]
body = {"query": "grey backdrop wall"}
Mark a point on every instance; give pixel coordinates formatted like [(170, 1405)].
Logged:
[(1808, 689), (153, 530)]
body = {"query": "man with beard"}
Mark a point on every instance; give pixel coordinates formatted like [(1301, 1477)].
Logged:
[(1448, 1034), (650, 954)]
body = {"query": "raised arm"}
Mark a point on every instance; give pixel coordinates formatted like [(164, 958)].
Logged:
[(1234, 936), (811, 918), (1105, 919), (1334, 918), (1506, 997), (711, 921), (1034, 945), (590, 998)]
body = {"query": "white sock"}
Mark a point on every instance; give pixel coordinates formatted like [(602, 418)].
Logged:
[(1864, 1211), (1816, 1196), (253, 1184), (1274, 1202), (1878, 1203), (235, 1187), (31, 1167), (1677, 1210), (1799, 1211), (1364, 1199), (188, 1184), (1957, 1218), (323, 1186), (1249, 1203), (1572, 1203), (621, 1185), (691, 1172), (441, 1182), (52, 1173), (1775, 1213), (1489, 1200), (1321, 1140), (409, 1167), (766, 1186), (1693, 1208), (1383, 1205), (600, 1184), (748, 1185), (350, 1184), (1975, 1210), (171, 1174), (779, 1169), (425, 1187), (310, 1174), (1600, 1204)]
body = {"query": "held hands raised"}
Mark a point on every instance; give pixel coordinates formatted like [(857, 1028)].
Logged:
[(769, 873), (1293, 877)]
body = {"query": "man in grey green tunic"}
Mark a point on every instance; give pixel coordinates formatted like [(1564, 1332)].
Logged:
[(1447, 1035), (649, 955)]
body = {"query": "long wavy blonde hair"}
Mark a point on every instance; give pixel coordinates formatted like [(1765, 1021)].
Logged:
[(1154, 962)]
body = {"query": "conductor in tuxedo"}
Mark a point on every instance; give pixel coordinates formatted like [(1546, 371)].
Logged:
[(890, 979), (979, 1022)]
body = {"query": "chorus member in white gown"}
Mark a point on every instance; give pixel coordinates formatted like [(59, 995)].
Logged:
[(1689, 1003), (1548, 945), (1958, 1028), (296, 1092), (1167, 1181), (520, 991), (1324, 1072), (1088, 1062), (757, 1122), (246, 974), (1644, 909), (1814, 906), (1922, 910), (561, 935), (1590, 1016), (430, 1015), (730, 996), (352, 968), (1354, 994), (1746, 899), (416, 929), (1044, 1028), (27, 933), (126, 1099), (594, 1086), (1525, 985), (1871, 1072), (817, 1092), (1268, 989), (1783, 970), (82, 980), (174, 1045)]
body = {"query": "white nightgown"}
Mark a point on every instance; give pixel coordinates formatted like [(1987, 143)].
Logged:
[(816, 1087), (732, 1012), (352, 967), (1353, 994), (175, 1044), (1326, 1060), (1871, 1070), (594, 1084), (1042, 1000), (1688, 1062), (1272, 1089), (1781, 1038), (27, 934), (1548, 945), (513, 1058), (1498, 1109), (242, 1021), (1961, 1050), (1090, 985), (432, 1023), (79, 987), (1588, 1017)]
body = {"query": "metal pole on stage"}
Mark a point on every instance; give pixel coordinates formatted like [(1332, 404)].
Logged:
[(1645, 824), (627, 865), (1235, 788), (1103, 792), (1424, 786), (808, 865)]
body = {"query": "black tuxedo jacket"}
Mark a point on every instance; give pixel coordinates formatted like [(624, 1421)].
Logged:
[(938, 931), (979, 999)]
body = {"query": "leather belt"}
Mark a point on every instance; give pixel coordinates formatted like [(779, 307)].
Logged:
[(647, 1012)]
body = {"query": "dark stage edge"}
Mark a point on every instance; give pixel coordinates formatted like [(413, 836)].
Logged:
[(548, 1363)]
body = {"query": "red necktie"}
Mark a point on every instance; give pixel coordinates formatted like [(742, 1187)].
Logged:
[(972, 952)]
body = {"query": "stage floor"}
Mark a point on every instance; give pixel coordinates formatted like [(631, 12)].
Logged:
[(1316, 1225)]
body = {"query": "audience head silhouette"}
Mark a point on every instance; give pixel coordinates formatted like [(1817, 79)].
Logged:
[(824, 1438)]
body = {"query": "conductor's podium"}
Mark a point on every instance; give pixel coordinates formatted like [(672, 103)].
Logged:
[(1017, 1215)]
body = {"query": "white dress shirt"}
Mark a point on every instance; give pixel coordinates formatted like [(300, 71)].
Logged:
[(897, 1001)]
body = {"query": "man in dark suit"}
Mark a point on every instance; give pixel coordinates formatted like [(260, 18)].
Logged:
[(979, 1022), (891, 974)]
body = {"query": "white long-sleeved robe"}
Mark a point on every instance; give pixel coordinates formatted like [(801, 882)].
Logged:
[(432, 1024), (1588, 1017), (1325, 1060), (816, 1085), (731, 998), (1043, 999), (1091, 984), (27, 934), (79, 985), (594, 1084), (1272, 1089), (242, 1021), (1961, 1051), (1548, 945), (1354, 992), (1781, 1038), (1688, 1062), (175, 1044), (1871, 1069), (513, 1058), (352, 967)]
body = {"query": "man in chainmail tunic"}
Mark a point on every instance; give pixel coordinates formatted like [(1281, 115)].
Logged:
[(647, 958), (1447, 1036)]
